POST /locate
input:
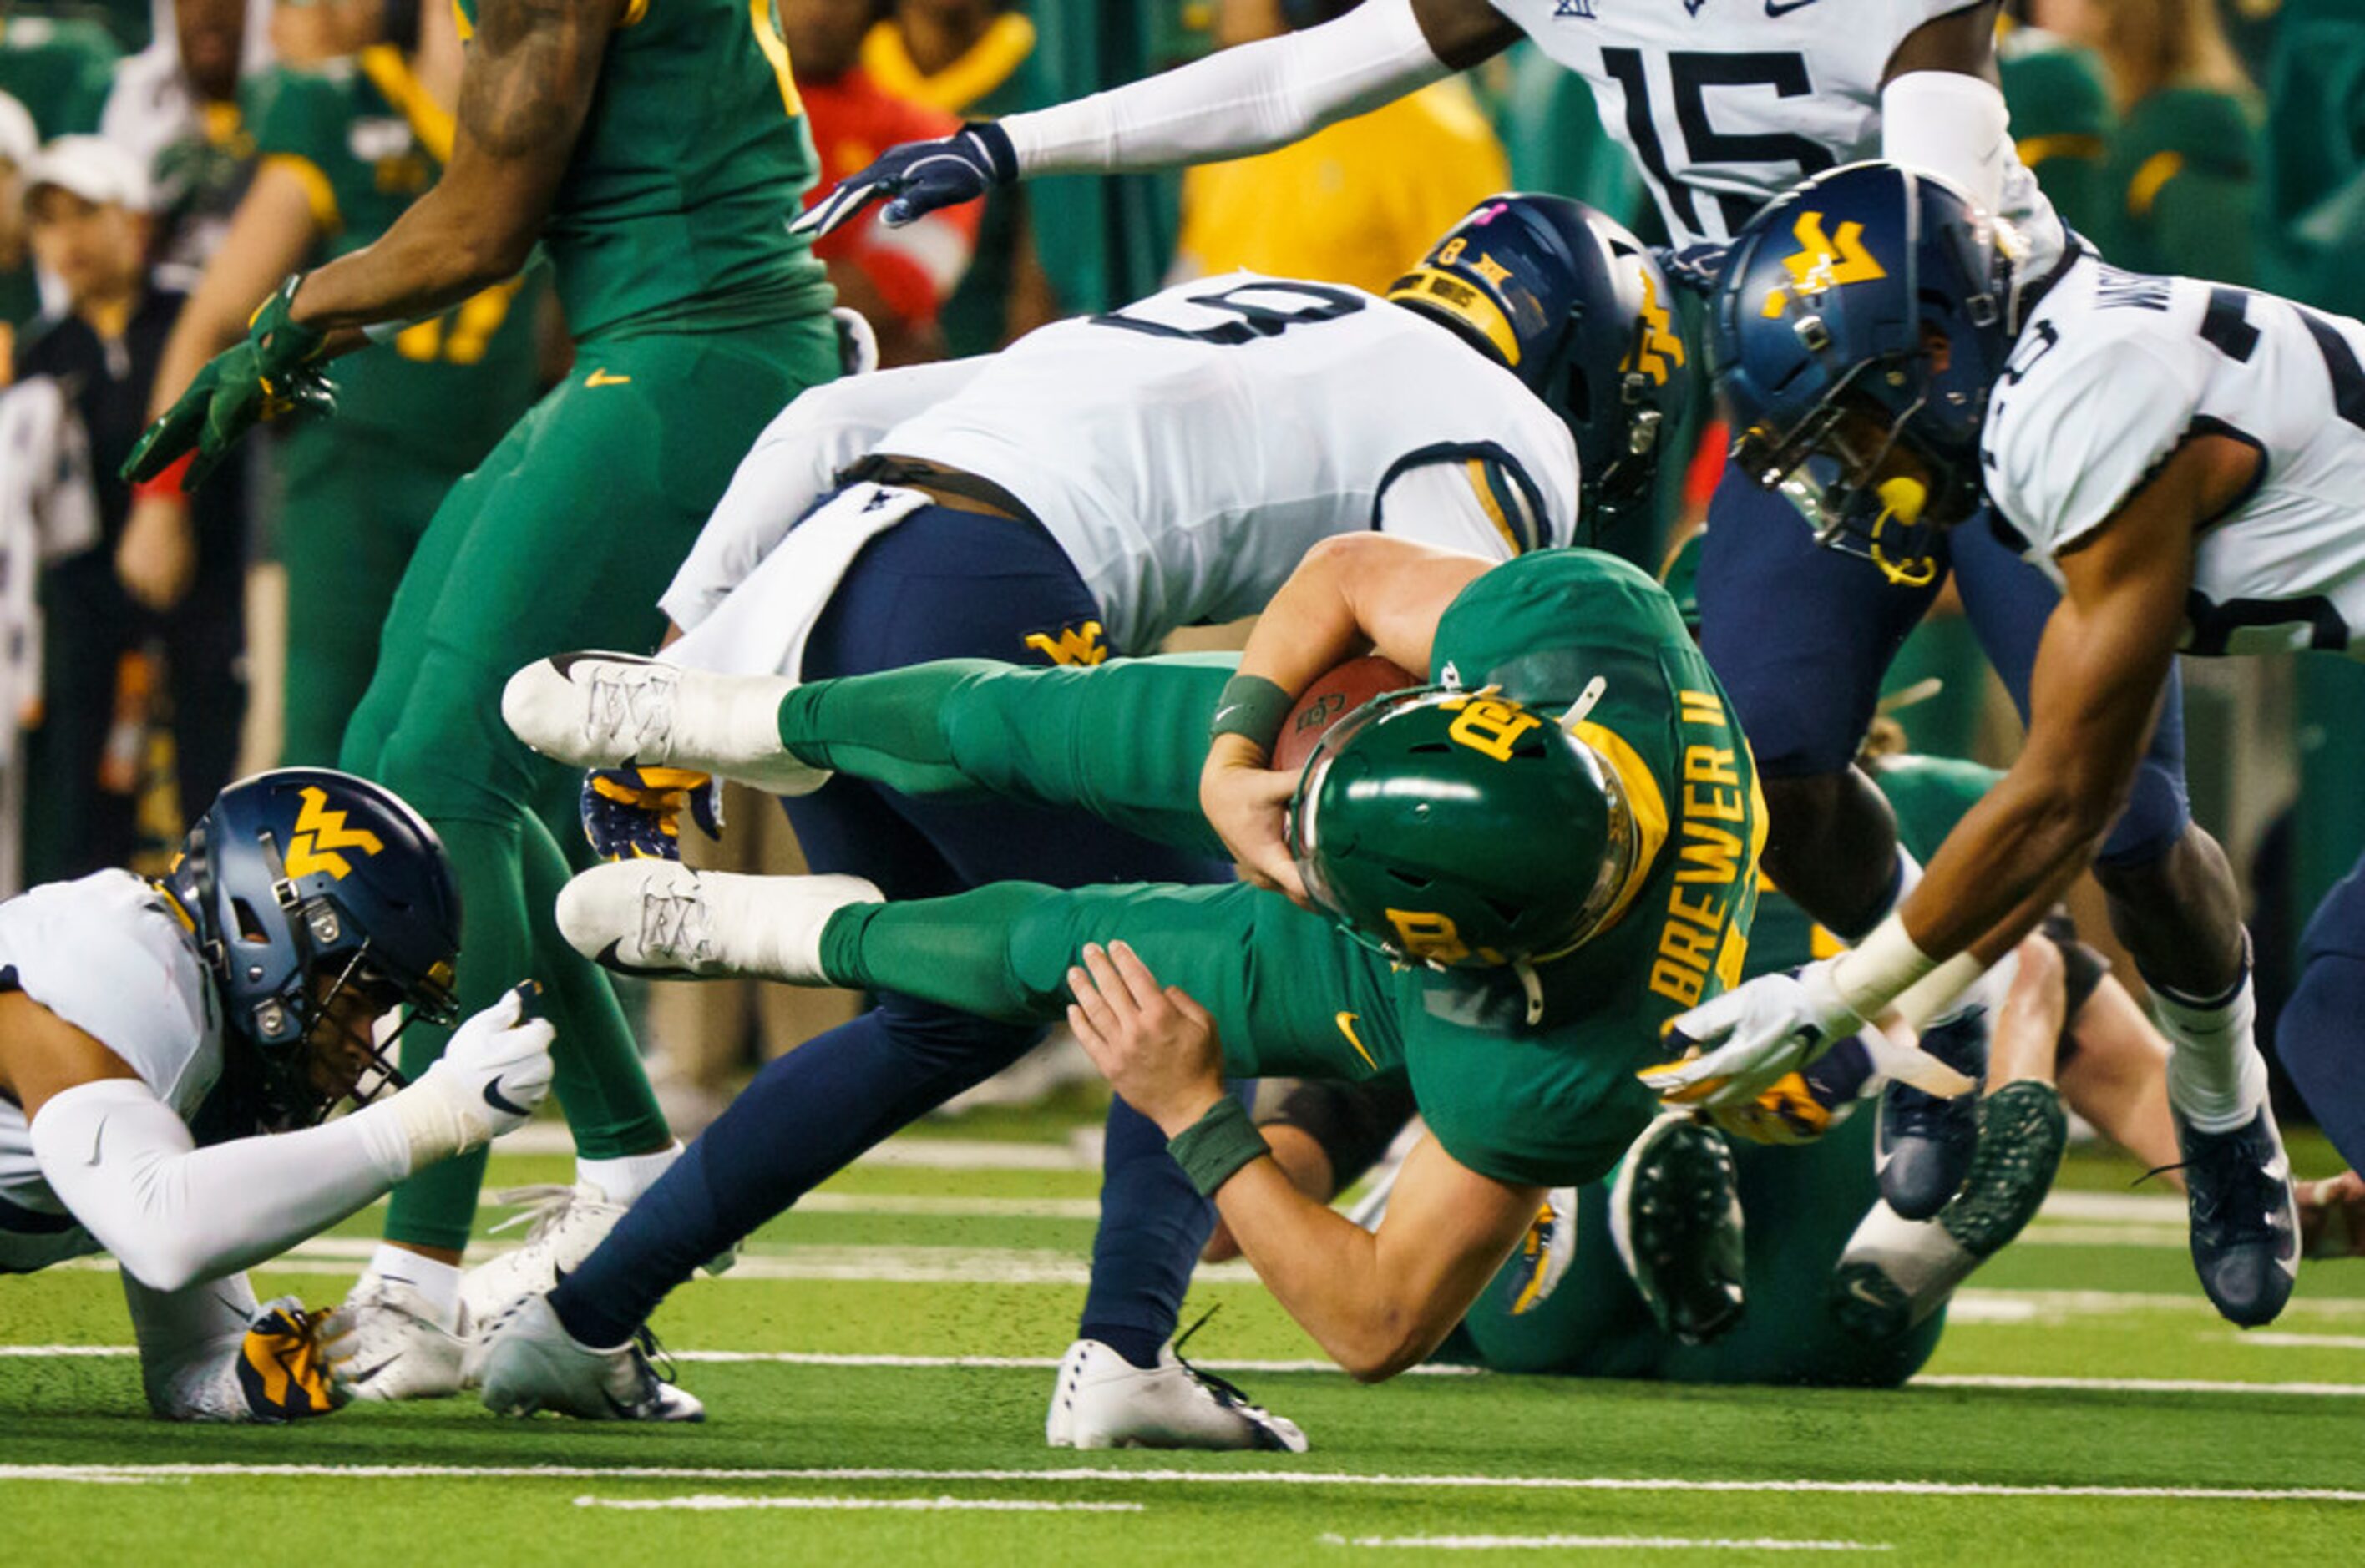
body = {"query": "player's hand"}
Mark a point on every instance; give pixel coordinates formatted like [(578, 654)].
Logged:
[(493, 1073), (634, 814), (1248, 805), (1156, 1046), (1696, 267), (281, 1369), (2332, 1216), (917, 178), (273, 373), (157, 559), (1747, 1040)]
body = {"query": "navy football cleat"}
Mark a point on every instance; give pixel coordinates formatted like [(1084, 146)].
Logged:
[(2245, 1217), (1674, 1216), (1925, 1143)]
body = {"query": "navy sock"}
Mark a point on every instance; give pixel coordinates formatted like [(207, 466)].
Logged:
[(806, 1116), (1153, 1222)]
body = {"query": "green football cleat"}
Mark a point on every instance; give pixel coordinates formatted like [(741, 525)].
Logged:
[(1674, 1216)]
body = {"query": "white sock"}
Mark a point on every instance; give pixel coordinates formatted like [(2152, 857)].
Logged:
[(2217, 1078), (432, 1277), (623, 1180)]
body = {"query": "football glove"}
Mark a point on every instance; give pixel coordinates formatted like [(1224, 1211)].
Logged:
[(281, 1370), (1745, 1041), (271, 375), (1788, 1113), (492, 1074), (918, 178), (1695, 267), (634, 814)]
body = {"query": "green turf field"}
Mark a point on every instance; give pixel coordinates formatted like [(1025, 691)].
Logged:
[(876, 1370)]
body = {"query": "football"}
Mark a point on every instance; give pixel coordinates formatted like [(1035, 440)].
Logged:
[(1331, 697)]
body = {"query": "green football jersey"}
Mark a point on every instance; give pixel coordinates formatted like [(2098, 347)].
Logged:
[(673, 213), (60, 71), (1556, 1101), (2183, 178), (366, 140), (2061, 108)]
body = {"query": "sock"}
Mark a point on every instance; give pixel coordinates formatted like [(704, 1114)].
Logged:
[(624, 1179), (1153, 1222), (432, 1277), (805, 1116), (1139, 1347), (2217, 1078)]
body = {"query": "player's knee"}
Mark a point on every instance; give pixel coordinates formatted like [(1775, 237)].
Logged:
[(2152, 822), (441, 773), (938, 1036)]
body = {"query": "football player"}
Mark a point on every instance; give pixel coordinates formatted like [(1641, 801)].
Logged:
[(2183, 458), (1515, 875), (696, 315), (1075, 498), (152, 1032), (1723, 106)]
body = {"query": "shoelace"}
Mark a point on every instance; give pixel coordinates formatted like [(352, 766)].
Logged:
[(632, 705), (1223, 1388), (674, 922), (544, 1206), (2250, 1187)]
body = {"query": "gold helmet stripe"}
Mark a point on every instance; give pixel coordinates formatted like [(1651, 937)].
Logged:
[(1464, 301)]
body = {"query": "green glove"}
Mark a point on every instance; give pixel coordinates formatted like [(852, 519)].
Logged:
[(268, 377)]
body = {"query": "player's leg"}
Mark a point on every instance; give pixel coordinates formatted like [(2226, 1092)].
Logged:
[(2176, 908), (2316, 1034)]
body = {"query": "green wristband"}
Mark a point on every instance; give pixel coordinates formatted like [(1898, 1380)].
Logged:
[(1212, 1150), (1251, 707)]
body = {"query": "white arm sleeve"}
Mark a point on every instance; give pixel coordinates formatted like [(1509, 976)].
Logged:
[(792, 465), (1248, 99), (1956, 127), (189, 1344), (172, 1213)]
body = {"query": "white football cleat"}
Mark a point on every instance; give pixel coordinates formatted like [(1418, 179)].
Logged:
[(1103, 1401), (385, 1343), (601, 709), (527, 1362), (660, 917), (564, 1224)]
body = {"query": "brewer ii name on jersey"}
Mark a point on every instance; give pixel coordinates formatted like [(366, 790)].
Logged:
[(2114, 369), (1726, 105)]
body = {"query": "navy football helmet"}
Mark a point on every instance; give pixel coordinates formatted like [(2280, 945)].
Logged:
[(301, 885), (1573, 306), (1863, 314)]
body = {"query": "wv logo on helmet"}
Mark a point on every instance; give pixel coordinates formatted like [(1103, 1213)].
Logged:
[(320, 834), (1822, 263)]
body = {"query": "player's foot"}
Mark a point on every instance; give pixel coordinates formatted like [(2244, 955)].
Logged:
[(2245, 1217), (1103, 1401), (563, 1224), (1895, 1272), (1924, 1142), (386, 1343), (527, 1362), (2332, 1216), (1674, 1216), (659, 917), (601, 709)]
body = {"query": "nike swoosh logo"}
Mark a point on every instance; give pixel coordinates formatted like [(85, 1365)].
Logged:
[(601, 378), (609, 960), (1856, 1287), (1346, 1021), (500, 1102), (1781, 8)]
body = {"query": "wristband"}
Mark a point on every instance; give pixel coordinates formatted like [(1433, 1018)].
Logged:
[(1253, 707), (1871, 975), (1213, 1149)]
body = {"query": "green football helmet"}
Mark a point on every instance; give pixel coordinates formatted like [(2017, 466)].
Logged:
[(1461, 830)]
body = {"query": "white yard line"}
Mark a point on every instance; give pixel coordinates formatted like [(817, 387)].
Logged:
[(2298, 1341), (1074, 1474), (708, 1501), (2141, 1385), (1596, 1543)]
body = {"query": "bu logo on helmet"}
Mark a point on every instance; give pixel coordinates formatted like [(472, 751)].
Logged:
[(320, 835), (1822, 263)]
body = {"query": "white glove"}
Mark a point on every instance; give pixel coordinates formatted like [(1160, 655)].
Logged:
[(1747, 1040), (494, 1072)]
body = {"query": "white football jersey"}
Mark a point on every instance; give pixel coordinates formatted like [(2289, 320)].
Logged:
[(106, 954), (1726, 104), (2114, 369), (1188, 450)]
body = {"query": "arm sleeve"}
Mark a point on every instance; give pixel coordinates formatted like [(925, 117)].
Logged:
[(172, 1213), (1477, 504), (1248, 99), (1957, 127), (794, 464), (189, 1344)]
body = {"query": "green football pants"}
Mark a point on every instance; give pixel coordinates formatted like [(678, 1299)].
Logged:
[(563, 538)]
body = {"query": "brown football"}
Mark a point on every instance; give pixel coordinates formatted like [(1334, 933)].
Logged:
[(1331, 699)]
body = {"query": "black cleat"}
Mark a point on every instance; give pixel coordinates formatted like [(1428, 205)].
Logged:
[(2021, 1134), (1925, 1143), (1674, 1216), (2245, 1217)]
